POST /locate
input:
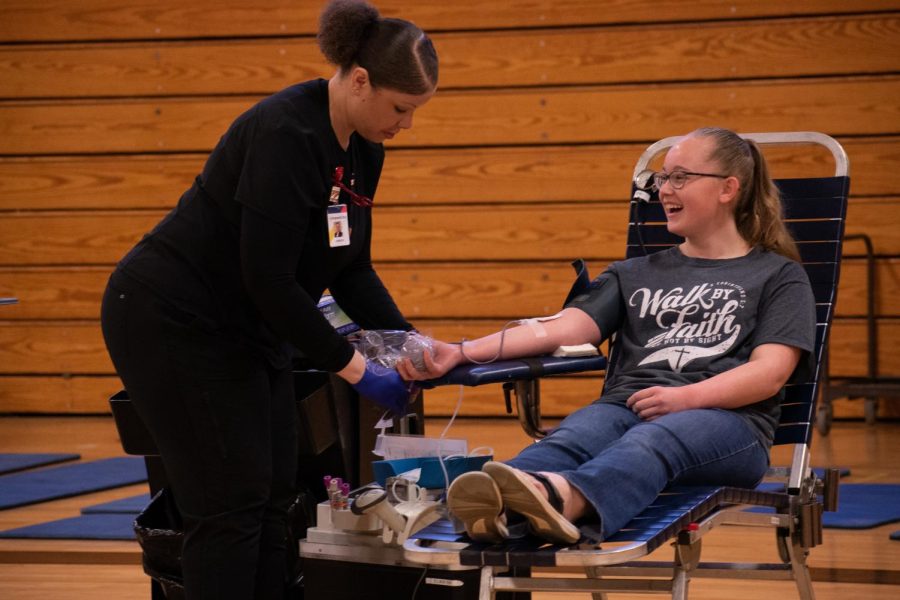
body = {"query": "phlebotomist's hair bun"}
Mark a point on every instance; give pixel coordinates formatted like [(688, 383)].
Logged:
[(395, 53), (343, 28)]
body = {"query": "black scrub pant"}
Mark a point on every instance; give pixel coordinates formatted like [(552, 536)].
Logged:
[(224, 423)]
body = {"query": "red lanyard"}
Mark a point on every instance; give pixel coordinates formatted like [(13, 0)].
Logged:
[(357, 199)]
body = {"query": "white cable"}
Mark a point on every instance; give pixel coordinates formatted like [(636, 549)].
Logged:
[(444, 434), (488, 451)]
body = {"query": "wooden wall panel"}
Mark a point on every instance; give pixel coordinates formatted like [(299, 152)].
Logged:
[(466, 118), (71, 238), (514, 232), (458, 290), (161, 69), (80, 182), (561, 231), (738, 49), (853, 293), (873, 217), (46, 351), (503, 290), (849, 350), (53, 293), (80, 395), (108, 108), (573, 115), (106, 126), (590, 171), (632, 54), (76, 347), (54, 394), (54, 20), (41, 20), (90, 395), (418, 176)]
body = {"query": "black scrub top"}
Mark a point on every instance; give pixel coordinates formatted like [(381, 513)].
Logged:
[(246, 249)]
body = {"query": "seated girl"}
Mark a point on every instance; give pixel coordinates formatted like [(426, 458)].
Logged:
[(708, 332)]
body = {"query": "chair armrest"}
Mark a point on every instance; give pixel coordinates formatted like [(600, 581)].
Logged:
[(517, 369)]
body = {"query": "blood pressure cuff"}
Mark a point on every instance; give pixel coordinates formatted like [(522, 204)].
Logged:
[(602, 301)]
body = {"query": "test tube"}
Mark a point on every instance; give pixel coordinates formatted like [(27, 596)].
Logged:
[(345, 493)]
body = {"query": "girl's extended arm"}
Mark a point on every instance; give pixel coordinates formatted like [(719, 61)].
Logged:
[(571, 326)]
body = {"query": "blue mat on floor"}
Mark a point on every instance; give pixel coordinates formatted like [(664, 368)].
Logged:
[(10, 463), (97, 526), (864, 505), (132, 505), (896, 535), (107, 521), (64, 481), (861, 506)]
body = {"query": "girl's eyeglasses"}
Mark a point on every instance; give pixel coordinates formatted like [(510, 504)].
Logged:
[(678, 178)]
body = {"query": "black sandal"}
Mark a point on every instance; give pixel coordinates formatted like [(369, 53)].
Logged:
[(544, 516), (553, 496)]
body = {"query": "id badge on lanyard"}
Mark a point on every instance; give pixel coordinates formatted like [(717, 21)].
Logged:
[(338, 221), (338, 226)]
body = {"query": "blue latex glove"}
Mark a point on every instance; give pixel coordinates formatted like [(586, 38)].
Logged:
[(384, 387)]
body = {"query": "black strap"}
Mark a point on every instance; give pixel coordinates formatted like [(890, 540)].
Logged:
[(535, 365), (552, 495)]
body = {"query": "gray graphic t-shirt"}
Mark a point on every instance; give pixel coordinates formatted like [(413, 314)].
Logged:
[(688, 319)]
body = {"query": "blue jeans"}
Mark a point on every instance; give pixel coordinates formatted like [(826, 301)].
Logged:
[(621, 463)]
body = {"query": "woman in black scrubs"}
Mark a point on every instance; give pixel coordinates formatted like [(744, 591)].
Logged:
[(201, 316)]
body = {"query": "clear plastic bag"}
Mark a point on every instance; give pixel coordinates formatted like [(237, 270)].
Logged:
[(387, 347)]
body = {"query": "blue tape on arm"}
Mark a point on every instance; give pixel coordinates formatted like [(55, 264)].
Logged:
[(603, 303)]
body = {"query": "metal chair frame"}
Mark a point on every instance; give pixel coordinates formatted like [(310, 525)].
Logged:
[(873, 385)]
